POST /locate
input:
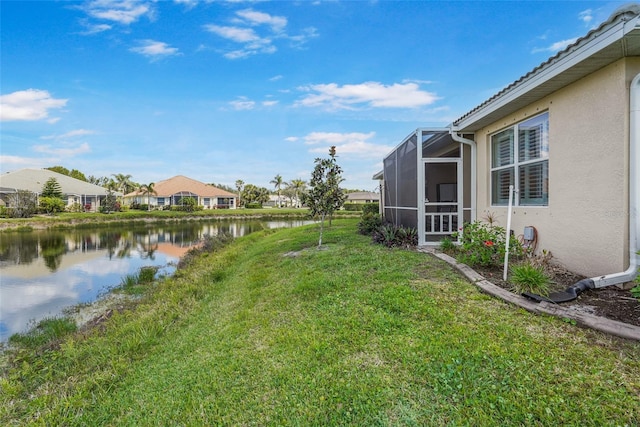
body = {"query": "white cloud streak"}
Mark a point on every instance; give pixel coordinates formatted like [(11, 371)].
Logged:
[(256, 32), (124, 12), (65, 151), (331, 96), (28, 105), (155, 50), (556, 47), (349, 145), (586, 16), (70, 134)]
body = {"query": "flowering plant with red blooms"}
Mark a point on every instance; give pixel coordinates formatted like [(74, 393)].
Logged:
[(483, 244)]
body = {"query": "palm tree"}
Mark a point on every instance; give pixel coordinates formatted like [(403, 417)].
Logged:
[(124, 183), (239, 187), (298, 185), (148, 189), (277, 183)]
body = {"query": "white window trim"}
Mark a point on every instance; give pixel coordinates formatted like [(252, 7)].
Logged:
[(516, 165)]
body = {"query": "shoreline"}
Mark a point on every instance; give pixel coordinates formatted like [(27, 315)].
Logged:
[(54, 222)]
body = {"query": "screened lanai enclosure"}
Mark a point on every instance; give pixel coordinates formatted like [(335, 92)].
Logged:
[(426, 184)]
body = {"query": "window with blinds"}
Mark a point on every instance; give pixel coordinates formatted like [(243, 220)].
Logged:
[(530, 166)]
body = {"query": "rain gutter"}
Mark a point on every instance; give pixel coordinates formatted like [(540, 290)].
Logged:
[(472, 144), (634, 193)]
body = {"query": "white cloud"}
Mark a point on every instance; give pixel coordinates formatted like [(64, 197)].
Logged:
[(70, 134), (349, 145), (236, 34), (243, 104), (269, 103), (586, 16), (95, 28), (28, 105), (65, 151), (253, 43), (188, 4), (556, 47), (154, 49), (372, 94), (22, 162), (121, 11), (252, 17), (256, 32)]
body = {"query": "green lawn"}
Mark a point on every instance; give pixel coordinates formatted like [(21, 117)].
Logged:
[(273, 331)]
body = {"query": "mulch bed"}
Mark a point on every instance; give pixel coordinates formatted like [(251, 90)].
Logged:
[(610, 302)]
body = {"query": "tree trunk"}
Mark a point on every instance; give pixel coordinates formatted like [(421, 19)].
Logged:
[(321, 229)]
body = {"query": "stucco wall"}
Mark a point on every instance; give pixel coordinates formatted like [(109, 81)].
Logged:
[(585, 224)]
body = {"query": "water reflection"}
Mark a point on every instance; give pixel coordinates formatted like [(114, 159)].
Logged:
[(43, 272)]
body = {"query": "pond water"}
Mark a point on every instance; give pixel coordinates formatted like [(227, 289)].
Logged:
[(44, 272)]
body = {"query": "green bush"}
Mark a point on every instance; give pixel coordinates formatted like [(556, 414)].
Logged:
[(369, 222), (448, 246), (529, 278), (396, 236), (254, 205), (371, 208), (484, 245), (360, 206), (51, 205), (75, 207)]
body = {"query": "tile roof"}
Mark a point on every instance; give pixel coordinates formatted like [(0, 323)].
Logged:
[(34, 179), (184, 184)]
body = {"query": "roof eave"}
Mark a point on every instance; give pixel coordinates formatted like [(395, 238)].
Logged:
[(596, 46)]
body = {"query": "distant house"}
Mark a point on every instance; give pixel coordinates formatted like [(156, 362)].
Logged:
[(173, 192), (75, 191), (363, 197), (565, 138)]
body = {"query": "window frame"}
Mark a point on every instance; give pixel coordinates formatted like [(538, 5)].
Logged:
[(519, 166)]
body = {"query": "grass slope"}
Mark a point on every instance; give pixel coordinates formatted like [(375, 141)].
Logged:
[(273, 331)]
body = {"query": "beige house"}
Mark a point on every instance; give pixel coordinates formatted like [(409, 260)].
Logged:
[(363, 197), (173, 192), (76, 192), (565, 138)]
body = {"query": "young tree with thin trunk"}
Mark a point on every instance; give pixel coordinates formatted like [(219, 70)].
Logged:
[(325, 195)]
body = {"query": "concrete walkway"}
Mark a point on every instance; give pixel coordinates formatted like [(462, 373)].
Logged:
[(620, 329)]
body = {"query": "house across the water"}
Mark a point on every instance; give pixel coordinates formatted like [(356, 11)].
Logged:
[(174, 191)]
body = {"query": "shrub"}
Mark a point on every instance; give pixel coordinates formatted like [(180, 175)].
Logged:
[(448, 246), (51, 205), (370, 208), (75, 207), (254, 205), (369, 222), (484, 245), (360, 206), (396, 236), (529, 278)]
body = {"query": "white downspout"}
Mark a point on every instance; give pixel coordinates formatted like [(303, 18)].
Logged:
[(472, 144), (634, 193)]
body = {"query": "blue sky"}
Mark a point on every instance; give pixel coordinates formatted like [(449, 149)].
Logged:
[(227, 90)]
